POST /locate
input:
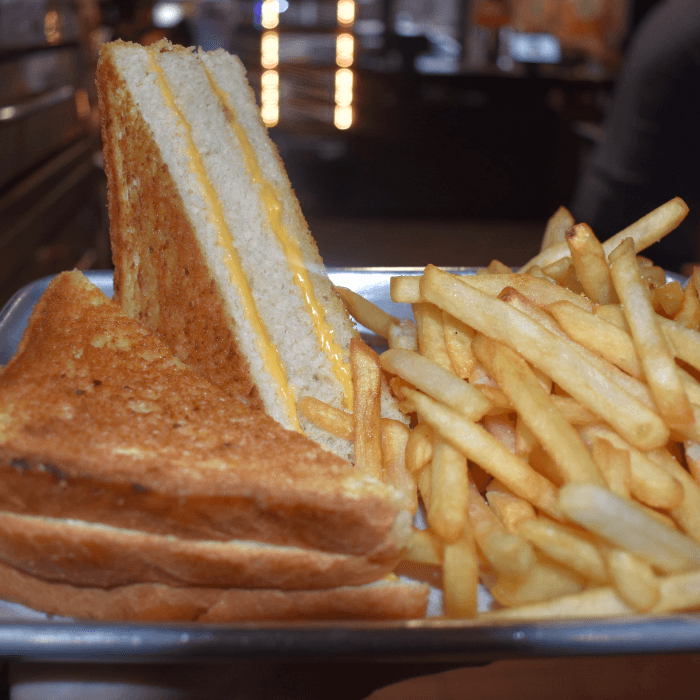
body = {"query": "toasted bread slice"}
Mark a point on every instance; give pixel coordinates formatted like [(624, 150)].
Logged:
[(99, 422), (387, 599), (210, 247)]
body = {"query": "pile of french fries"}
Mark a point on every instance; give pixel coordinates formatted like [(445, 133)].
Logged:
[(554, 439)]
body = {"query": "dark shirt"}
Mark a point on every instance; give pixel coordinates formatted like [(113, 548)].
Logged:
[(651, 149)]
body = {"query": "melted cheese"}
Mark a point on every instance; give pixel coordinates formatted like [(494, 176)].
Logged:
[(291, 248), (271, 361)]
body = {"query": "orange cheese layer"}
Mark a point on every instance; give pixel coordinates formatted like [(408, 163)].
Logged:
[(271, 361), (292, 251)]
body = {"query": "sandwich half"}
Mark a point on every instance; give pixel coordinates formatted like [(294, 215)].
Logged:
[(210, 247), (119, 465)]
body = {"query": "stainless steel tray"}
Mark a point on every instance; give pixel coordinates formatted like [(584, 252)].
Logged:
[(29, 636)]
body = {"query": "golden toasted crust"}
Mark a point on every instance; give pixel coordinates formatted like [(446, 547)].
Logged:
[(155, 251), (148, 602), (99, 422), (85, 554)]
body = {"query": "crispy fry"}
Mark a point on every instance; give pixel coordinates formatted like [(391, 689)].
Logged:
[(596, 334), (676, 593), (567, 547), (507, 552), (473, 441), (668, 298), (510, 509), (367, 313), (419, 448), (432, 379), (458, 341), (405, 289), (634, 579), (590, 263), (423, 548), (557, 226), (333, 420), (648, 230), (460, 577), (689, 313), (629, 527), (614, 464), (544, 350), (394, 438), (366, 380), (403, 335), (431, 335), (535, 408), (649, 483), (447, 513), (654, 353), (544, 581)]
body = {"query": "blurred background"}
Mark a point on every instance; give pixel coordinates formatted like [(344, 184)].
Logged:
[(413, 131)]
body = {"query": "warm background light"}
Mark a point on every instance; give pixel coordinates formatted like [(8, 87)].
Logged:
[(344, 50), (346, 12), (270, 14)]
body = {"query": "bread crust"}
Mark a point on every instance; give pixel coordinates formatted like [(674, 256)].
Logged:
[(99, 422), (86, 554), (148, 602)]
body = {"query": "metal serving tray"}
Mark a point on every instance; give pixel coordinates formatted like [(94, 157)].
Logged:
[(29, 636)]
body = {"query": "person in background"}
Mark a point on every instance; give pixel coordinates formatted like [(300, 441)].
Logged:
[(650, 152)]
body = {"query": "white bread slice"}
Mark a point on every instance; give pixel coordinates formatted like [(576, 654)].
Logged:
[(387, 599), (209, 155)]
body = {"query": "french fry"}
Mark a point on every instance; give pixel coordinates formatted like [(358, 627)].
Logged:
[(405, 289), (510, 509), (501, 322), (497, 267), (628, 527), (458, 341), (654, 353), (525, 440), (646, 231), (366, 380), (534, 407), (687, 512), (432, 379), (460, 577), (503, 430), (591, 265), (567, 547), (614, 464), (403, 335), (431, 335), (539, 290), (692, 457), (557, 226), (419, 448), (507, 552), (447, 513), (668, 298), (649, 483), (367, 313), (628, 384), (634, 579), (394, 438), (331, 419), (423, 548), (474, 442), (596, 334), (544, 581), (689, 313)]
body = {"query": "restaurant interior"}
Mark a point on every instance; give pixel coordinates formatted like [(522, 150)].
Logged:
[(413, 132)]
